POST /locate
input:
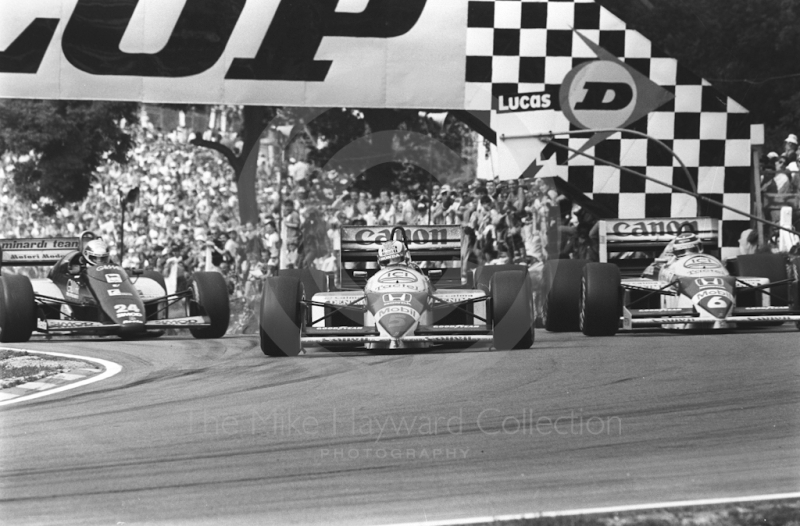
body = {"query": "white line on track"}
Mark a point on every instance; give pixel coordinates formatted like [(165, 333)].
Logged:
[(111, 369), (609, 509)]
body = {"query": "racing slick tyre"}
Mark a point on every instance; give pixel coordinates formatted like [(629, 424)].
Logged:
[(281, 316), (158, 310), (313, 279), (17, 308), (210, 298), (512, 310), (770, 266), (484, 273), (561, 279), (600, 295)]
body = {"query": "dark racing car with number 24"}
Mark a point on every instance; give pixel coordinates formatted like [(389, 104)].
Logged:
[(415, 296), (84, 293)]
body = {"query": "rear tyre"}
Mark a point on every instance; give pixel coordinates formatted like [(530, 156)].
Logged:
[(561, 279), (17, 308), (600, 295), (210, 298), (281, 316), (158, 310), (770, 266), (512, 310), (484, 273)]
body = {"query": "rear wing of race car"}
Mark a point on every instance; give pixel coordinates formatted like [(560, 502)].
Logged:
[(36, 252), (632, 244), (359, 245)]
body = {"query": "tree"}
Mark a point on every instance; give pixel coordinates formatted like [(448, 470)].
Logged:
[(747, 50), (58, 145), (376, 148)]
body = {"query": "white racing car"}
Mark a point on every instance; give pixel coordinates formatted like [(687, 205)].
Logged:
[(398, 305), (666, 272)]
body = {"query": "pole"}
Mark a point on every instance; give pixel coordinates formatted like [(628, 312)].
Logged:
[(759, 205), (123, 204)]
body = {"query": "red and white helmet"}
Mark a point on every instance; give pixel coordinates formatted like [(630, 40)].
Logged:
[(96, 252), (393, 253)]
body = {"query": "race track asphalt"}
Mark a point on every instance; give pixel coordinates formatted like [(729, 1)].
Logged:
[(213, 432)]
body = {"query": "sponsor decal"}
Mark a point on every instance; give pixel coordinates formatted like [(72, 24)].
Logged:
[(117, 292), (659, 310), (180, 321), (338, 328), (418, 286), (403, 298), (73, 289), (66, 324), (415, 235), (399, 276), (107, 267), (720, 272), (127, 311), (339, 300), (126, 322), (652, 228), (770, 307), (456, 298), (397, 309), (344, 339), (709, 282), (113, 278), (710, 293), (41, 324), (531, 101), (703, 262), (771, 318)]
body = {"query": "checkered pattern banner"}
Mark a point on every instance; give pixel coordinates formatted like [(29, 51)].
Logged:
[(531, 47)]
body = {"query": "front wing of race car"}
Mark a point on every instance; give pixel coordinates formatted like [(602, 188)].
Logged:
[(677, 317), (434, 334), (50, 326)]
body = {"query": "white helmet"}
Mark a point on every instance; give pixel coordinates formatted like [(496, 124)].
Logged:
[(95, 252), (393, 253)]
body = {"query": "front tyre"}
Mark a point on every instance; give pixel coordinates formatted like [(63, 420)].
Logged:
[(512, 310), (17, 308), (210, 298), (599, 305), (281, 317)]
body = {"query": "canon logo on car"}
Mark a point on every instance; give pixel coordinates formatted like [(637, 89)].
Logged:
[(369, 236), (639, 228)]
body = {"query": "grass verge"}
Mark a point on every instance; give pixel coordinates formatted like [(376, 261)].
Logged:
[(18, 367)]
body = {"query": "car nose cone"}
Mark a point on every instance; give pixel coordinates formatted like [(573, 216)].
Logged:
[(397, 324)]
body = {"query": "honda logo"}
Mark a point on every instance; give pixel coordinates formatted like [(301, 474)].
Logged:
[(709, 282), (402, 297)]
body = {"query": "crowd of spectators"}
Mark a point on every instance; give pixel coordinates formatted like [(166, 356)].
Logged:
[(780, 184), (182, 215)]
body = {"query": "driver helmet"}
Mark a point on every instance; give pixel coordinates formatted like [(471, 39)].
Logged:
[(96, 252), (686, 244), (393, 253)]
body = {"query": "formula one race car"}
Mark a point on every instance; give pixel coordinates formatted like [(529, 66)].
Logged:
[(79, 296), (398, 305), (666, 273)]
